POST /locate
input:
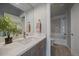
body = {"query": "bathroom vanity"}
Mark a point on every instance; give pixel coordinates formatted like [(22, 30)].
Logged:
[(32, 45), (37, 50)]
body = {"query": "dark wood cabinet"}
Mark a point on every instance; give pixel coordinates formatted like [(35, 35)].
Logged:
[(28, 53), (41, 48), (38, 50)]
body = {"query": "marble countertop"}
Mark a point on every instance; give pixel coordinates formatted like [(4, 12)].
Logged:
[(21, 45)]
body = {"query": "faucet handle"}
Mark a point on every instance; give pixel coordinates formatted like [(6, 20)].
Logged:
[(24, 34)]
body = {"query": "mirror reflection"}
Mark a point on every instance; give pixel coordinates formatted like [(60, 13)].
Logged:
[(20, 16)]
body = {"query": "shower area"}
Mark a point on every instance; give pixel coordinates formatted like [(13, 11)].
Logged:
[(60, 29), (58, 24)]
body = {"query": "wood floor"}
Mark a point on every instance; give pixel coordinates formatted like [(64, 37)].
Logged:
[(60, 50)]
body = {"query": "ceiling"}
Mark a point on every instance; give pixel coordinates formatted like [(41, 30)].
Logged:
[(17, 8), (25, 6), (56, 8), (8, 8), (59, 8)]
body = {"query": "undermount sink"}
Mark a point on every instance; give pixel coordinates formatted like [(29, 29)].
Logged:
[(20, 43), (23, 40), (27, 40)]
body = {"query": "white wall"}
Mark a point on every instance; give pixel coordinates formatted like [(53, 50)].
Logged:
[(48, 29), (75, 29), (35, 14), (41, 12), (30, 18)]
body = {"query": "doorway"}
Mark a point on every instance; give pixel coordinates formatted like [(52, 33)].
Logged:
[(60, 29)]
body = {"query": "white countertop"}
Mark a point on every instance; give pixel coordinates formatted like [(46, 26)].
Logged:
[(21, 45)]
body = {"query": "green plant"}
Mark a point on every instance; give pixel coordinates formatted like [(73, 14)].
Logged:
[(7, 25)]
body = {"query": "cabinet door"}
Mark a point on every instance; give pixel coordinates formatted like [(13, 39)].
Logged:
[(41, 48), (33, 51), (44, 47), (28, 53), (37, 50)]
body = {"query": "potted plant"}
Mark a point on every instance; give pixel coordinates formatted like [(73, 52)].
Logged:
[(9, 27)]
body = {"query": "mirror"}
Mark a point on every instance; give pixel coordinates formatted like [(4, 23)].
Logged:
[(20, 16)]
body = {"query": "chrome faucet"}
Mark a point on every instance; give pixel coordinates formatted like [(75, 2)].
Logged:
[(24, 35)]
